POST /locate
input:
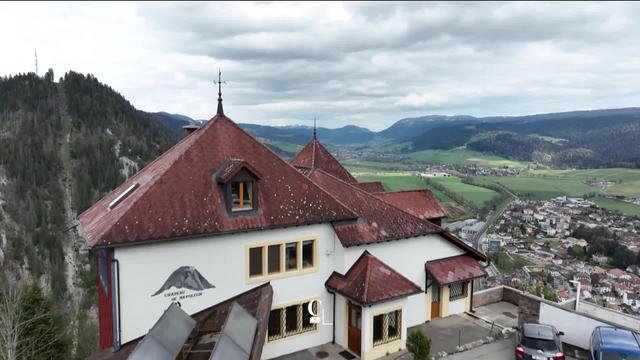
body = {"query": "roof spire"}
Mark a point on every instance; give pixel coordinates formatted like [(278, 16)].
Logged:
[(314, 128), (219, 82)]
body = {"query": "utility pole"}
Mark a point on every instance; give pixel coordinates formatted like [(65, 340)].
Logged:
[(36, 52)]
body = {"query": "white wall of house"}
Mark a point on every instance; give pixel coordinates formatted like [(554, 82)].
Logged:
[(369, 351), (341, 321), (408, 257), (458, 306), (222, 261)]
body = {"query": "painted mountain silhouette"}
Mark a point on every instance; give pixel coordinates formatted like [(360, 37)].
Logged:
[(185, 277)]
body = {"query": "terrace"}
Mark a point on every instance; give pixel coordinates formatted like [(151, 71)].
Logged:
[(486, 332)]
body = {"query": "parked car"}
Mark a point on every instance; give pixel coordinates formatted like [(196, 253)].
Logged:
[(539, 342), (610, 343)]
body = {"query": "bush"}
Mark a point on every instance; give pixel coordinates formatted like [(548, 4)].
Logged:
[(419, 345)]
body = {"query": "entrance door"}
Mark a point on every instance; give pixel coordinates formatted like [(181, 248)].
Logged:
[(355, 328), (435, 300)]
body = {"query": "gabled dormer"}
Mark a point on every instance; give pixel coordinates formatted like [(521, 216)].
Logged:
[(239, 184)]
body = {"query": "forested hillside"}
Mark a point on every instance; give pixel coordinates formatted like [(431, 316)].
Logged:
[(63, 144), (603, 138)]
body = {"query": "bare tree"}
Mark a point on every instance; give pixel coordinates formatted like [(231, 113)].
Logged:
[(15, 344), (10, 317)]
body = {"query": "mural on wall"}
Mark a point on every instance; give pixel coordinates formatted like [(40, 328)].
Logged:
[(185, 277)]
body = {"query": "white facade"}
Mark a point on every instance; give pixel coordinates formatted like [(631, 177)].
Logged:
[(222, 261)]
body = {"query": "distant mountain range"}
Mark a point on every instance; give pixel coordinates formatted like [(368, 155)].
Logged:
[(597, 138)]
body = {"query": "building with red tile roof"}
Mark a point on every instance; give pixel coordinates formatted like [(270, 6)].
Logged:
[(220, 213), (420, 203), (186, 171), (315, 156), (370, 281), (371, 186)]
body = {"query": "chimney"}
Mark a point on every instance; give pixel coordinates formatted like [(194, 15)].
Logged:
[(189, 129)]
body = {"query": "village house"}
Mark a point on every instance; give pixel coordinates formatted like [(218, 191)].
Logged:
[(220, 219), (619, 274)]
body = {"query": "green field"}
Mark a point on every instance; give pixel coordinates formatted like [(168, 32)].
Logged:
[(475, 194), (393, 181), (442, 197), (628, 180), (463, 156), (363, 166), (539, 187), (623, 207)]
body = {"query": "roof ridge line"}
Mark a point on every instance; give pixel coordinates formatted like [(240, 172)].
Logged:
[(377, 198), (313, 154), (148, 185), (292, 167), (367, 275)]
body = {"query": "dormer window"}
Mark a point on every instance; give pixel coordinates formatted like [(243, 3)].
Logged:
[(242, 195), (238, 182)]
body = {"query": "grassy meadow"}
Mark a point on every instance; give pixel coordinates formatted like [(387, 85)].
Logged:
[(475, 194), (622, 206), (538, 187), (463, 156), (627, 180), (393, 181)]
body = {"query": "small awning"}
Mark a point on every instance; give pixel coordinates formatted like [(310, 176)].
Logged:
[(455, 269)]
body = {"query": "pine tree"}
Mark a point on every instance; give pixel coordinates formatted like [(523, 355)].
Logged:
[(43, 333)]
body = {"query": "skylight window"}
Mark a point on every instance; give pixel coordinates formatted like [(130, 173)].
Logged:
[(122, 196)]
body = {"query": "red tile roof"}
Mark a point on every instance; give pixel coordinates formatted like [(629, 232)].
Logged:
[(231, 167), (177, 195), (420, 203), (372, 186), (370, 281), (455, 269), (316, 156), (379, 220)]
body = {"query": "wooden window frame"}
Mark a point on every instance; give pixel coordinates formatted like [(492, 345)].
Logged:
[(300, 329), (226, 190), (241, 186), (385, 327), (283, 272)]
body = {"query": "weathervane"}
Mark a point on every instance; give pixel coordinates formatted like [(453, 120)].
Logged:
[(219, 83)]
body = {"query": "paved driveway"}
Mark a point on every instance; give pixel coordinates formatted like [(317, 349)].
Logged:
[(499, 350), (447, 333)]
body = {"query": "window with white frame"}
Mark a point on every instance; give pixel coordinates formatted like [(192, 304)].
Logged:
[(458, 290), (387, 327), (291, 320)]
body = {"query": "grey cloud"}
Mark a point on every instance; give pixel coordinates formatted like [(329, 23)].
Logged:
[(366, 63)]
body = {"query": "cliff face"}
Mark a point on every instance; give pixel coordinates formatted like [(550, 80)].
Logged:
[(62, 146)]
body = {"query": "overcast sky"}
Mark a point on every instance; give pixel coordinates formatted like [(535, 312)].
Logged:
[(368, 64)]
